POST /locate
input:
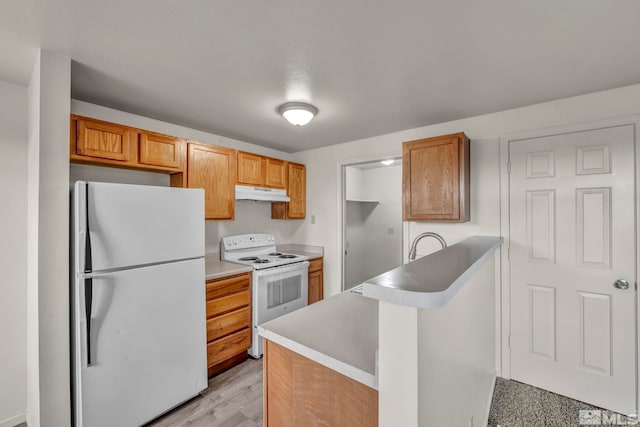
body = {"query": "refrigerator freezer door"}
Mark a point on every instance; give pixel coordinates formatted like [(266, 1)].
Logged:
[(133, 225), (148, 343)]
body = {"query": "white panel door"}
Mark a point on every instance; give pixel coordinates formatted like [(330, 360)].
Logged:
[(572, 232)]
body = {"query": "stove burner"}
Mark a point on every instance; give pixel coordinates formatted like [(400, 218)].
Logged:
[(248, 258), (287, 256), (275, 254), (261, 261)]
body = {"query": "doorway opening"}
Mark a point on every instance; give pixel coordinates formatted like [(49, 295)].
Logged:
[(371, 219)]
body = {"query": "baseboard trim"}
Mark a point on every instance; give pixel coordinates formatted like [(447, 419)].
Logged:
[(492, 389), (14, 421)]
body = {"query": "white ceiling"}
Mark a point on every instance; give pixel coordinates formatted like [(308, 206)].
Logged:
[(370, 67)]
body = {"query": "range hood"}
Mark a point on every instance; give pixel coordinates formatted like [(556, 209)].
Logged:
[(244, 192)]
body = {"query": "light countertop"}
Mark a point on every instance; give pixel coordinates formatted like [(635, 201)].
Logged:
[(214, 268), (340, 333), (312, 252), (433, 280)]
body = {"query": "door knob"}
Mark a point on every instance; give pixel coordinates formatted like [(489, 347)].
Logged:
[(621, 284)]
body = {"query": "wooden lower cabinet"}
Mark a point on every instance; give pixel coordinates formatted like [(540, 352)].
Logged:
[(228, 321), (301, 392), (316, 282)]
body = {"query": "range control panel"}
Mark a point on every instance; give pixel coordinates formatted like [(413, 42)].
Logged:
[(246, 241)]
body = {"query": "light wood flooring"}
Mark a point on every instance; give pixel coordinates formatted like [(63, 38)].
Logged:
[(234, 398)]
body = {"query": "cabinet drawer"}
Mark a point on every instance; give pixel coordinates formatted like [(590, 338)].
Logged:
[(229, 346), (229, 303), (229, 323), (229, 285), (315, 265)]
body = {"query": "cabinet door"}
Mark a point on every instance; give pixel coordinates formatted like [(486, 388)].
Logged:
[(251, 169), (276, 173), (161, 150), (105, 141), (315, 286), (214, 169), (297, 191), (435, 179)]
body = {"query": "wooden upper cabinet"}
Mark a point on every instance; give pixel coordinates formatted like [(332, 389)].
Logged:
[(435, 179), (103, 140), (102, 143), (297, 191), (275, 173), (251, 169), (261, 171), (161, 150), (214, 169)]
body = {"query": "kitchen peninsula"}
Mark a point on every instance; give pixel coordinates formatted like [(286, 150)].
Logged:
[(416, 348)]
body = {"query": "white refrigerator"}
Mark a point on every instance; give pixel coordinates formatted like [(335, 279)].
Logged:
[(138, 337)]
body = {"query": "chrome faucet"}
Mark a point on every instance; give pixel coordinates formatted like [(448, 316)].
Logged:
[(414, 245)]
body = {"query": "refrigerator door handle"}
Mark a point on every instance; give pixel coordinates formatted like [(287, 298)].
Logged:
[(87, 235), (88, 302), (88, 281)]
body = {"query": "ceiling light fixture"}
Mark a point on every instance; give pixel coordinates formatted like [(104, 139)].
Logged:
[(386, 162), (298, 113)]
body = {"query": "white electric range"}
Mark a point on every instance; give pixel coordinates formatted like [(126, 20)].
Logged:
[(279, 281)]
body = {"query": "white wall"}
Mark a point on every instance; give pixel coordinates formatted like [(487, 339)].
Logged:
[(13, 253), (456, 355), (48, 399), (371, 250), (122, 176), (436, 366), (323, 167), (353, 185), (249, 216), (385, 250), (355, 271), (33, 186)]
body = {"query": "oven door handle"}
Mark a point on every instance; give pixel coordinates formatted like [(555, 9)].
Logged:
[(298, 266)]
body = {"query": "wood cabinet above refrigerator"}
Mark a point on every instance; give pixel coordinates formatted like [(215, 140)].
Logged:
[(102, 143)]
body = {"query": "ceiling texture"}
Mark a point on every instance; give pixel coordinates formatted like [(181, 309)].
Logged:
[(369, 67)]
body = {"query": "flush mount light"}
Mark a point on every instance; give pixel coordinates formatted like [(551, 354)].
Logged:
[(298, 113), (386, 162)]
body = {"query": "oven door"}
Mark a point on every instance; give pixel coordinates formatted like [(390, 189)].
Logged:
[(280, 290), (277, 291)]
